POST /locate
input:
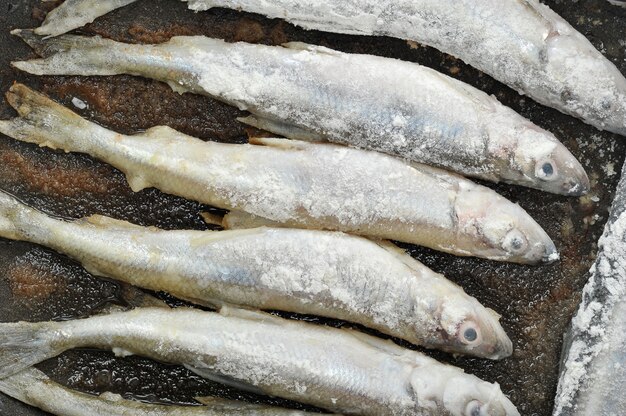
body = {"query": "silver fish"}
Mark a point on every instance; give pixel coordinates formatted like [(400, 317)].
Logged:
[(521, 43), (34, 388), (300, 184), (338, 370), (311, 272), (593, 369), (313, 93)]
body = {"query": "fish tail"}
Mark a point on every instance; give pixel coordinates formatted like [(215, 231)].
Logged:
[(17, 385), (44, 122), (8, 207), (24, 344), (74, 55), (73, 14)]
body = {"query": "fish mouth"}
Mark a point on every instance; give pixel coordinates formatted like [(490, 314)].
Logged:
[(576, 185), (503, 349), (550, 254)]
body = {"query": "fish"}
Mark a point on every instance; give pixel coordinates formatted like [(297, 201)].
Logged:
[(300, 184), (521, 43), (313, 93), (329, 274), (338, 370), (72, 14), (35, 388), (593, 365)]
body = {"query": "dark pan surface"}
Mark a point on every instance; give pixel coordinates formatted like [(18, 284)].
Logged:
[(36, 284)]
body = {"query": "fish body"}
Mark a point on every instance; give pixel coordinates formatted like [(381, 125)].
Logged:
[(314, 93), (34, 388), (522, 43), (328, 274), (593, 368), (300, 184), (338, 370)]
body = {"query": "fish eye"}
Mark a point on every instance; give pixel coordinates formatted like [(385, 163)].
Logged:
[(469, 333), (546, 170), (514, 242), (473, 408)]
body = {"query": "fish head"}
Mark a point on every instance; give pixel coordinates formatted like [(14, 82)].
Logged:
[(540, 161), (467, 395), (452, 392), (590, 86), (471, 329), (525, 154), (503, 230)]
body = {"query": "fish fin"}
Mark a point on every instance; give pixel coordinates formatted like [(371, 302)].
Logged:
[(73, 55), (283, 129), (402, 255), (19, 384), (137, 298), (137, 182), (250, 314), (159, 132), (212, 219), (24, 344), (237, 220), (387, 346), (73, 14), (112, 223), (218, 403), (47, 123), (285, 144), (215, 401), (8, 206), (229, 381), (46, 47), (303, 46)]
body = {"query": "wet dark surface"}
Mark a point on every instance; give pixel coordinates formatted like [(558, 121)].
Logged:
[(536, 303)]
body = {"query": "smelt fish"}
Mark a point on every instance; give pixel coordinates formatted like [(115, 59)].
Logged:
[(317, 94), (300, 184), (310, 272), (339, 370)]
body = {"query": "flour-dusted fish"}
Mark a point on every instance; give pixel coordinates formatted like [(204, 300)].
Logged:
[(34, 388), (317, 94), (339, 370), (310, 272), (521, 43), (300, 184), (593, 369)]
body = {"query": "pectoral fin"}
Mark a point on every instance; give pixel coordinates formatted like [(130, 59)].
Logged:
[(283, 129)]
